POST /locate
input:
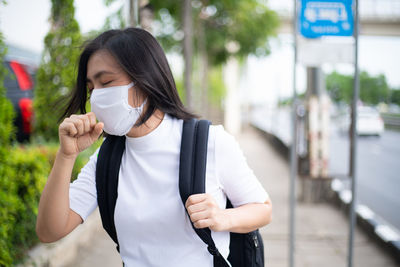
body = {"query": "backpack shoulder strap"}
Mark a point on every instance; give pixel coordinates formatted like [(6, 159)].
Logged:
[(107, 171), (192, 174), (193, 158)]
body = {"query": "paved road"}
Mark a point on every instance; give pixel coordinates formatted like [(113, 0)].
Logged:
[(378, 171)]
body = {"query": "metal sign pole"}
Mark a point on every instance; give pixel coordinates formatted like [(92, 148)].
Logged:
[(353, 141), (293, 150)]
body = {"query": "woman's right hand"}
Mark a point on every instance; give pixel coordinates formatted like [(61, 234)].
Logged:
[(78, 132)]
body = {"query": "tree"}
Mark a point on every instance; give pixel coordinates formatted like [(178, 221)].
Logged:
[(114, 20), (340, 87), (56, 74), (245, 24), (249, 24), (187, 48), (395, 96), (373, 89), (6, 108), (6, 133)]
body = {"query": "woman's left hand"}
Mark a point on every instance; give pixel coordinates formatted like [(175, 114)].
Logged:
[(205, 212)]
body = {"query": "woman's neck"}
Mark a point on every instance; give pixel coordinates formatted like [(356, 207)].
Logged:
[(148, 126)]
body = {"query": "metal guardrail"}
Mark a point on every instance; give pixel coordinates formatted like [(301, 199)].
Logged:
[(383, 232), (391, 119)]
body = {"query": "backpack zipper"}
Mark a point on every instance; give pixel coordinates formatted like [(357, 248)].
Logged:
[(255, 240)]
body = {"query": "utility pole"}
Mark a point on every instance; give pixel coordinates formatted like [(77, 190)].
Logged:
[(293, 151), (353, 138)]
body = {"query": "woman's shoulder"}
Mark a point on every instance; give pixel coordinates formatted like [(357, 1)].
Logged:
[(217, 133), (220, 136)]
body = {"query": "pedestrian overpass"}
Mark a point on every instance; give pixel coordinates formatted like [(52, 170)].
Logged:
[(377, 17)]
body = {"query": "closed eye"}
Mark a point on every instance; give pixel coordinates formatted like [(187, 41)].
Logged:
[(106, 83)]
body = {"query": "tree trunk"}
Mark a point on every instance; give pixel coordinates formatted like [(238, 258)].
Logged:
[(140, 14), (204, 66), (133, 20), (188, 50), (146, 15)]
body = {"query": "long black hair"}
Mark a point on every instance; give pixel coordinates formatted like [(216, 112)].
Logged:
[(142, 58)]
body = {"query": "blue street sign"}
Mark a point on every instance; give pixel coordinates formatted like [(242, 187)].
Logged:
[(326, 17)]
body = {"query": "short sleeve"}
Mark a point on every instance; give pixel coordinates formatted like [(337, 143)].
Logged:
[(82, 192), (235, 176)]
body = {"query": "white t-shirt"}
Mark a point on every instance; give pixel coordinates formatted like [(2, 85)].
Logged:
[(152, 226)]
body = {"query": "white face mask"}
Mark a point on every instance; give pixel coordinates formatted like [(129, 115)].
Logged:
[(111, 107)]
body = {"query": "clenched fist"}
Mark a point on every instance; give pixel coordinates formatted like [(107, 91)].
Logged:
[(78, 132), (205, 212)]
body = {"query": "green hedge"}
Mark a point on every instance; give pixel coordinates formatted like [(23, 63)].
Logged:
[(23, 174)]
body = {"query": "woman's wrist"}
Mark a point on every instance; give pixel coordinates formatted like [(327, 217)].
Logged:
[(228, 222), (61, 155), (246, 218)]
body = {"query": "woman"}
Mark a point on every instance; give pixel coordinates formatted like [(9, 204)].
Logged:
[(133, 93)]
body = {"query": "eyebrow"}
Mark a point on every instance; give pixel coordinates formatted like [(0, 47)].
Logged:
[(98, 74)]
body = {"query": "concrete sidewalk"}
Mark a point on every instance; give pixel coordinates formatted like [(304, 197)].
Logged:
[(321, 229)]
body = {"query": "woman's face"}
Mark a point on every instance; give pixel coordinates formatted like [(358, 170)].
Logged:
[(104, 71)]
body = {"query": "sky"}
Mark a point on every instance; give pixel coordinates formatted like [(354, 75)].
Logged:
[(25, 23)]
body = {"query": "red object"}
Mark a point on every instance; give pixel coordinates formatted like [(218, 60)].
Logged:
[(25, 104), (23, 77)]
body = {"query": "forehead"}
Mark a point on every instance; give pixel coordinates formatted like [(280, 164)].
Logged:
[(100, 61)]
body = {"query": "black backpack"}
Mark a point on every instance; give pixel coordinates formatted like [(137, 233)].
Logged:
[(246, 250)]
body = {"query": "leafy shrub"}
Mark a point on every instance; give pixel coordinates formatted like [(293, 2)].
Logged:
[(6, 121), (50, 151), (83, 158), (23, 174)]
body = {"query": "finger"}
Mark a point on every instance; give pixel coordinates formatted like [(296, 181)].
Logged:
[(203, 223), (72, 120), (196, 207), (92, 118), (85, 123), (97, 130), (202, 215), (78, 124), (69, 128), (67, 120), (194, 199)]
